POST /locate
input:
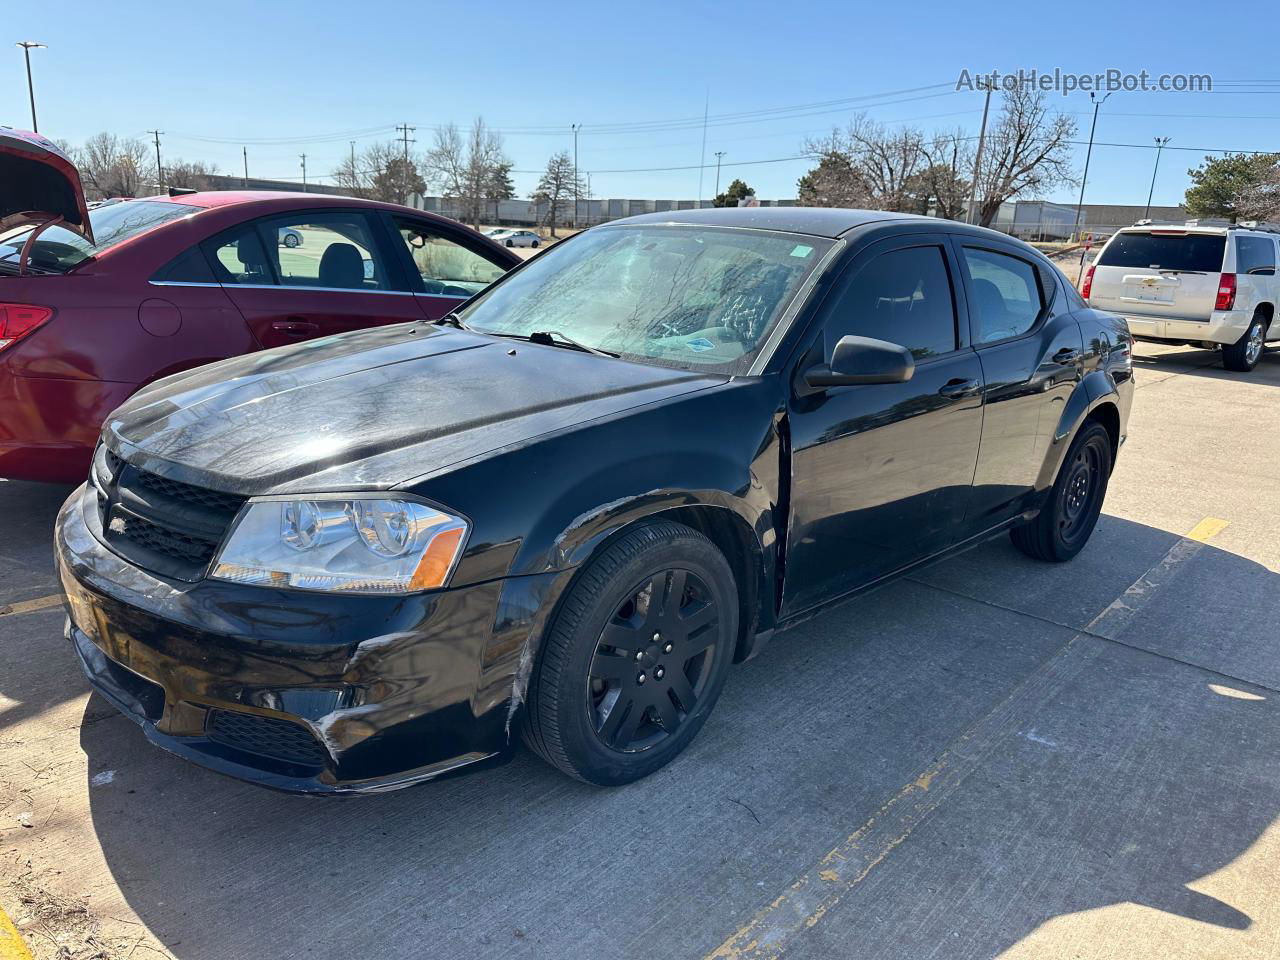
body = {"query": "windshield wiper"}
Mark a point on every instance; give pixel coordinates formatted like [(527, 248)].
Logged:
[(554, 338)]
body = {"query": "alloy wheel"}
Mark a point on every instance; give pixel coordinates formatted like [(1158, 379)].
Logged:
[(652, 661), (1253, 350)]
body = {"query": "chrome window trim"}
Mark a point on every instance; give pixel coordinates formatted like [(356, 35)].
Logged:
[(282, 286)]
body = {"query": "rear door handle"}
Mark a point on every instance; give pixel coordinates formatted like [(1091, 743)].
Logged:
[(1066, 356), (295, 326), (958, 389)]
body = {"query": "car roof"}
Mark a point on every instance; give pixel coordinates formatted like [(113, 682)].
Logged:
[(830, 222), (298, 199)]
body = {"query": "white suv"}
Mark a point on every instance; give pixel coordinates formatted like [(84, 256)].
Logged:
[(1196, 284)]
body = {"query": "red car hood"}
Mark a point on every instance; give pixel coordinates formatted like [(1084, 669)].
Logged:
[(39, 183)]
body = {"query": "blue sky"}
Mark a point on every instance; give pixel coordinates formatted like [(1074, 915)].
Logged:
[(232, 73)]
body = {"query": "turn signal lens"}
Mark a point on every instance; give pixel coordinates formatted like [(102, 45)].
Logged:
[(19, 319), (1226, 292)]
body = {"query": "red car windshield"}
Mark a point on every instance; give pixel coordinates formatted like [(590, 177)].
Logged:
[(57, 250)]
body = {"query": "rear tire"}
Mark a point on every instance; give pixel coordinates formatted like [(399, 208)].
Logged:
[(1067, 519), (1243, 355), (624, 682)]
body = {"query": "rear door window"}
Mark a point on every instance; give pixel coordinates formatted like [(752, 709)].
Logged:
[(1194, 252), (1256, 256), (322, 251), (1006, 297)]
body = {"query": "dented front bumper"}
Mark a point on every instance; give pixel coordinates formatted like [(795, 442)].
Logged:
[(301, 691)]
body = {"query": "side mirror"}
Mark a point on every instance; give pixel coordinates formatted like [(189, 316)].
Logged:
[(863, 360)]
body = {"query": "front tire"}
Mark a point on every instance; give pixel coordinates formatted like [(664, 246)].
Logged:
[(1066, 521), (291, 241), (1243, 355), (534, 244), (635, 658)]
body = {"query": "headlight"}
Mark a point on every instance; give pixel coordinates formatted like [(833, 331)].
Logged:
[(354, 545)]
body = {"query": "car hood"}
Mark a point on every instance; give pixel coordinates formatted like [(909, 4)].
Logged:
[(39, 184), (373, 409)]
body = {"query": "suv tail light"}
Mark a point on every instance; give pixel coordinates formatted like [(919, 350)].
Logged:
[(19, 319), (1087, 287), (1226, 292)]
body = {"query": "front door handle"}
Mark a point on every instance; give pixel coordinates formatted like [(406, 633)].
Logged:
[(1066, 356), (958, 389), (295, 327)]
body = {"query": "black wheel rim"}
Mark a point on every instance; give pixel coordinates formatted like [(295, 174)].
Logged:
[(1080, 493), (652, 661)]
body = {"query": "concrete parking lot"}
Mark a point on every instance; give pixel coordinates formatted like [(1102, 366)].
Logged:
[(993, 757)]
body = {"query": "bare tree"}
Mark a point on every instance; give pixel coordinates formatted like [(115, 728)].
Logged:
[(471, 170), (877, 166), (380, 172), (112, 166), (943, 185), (557, 187), (193, 174), (1027, 153), (1262, 200)]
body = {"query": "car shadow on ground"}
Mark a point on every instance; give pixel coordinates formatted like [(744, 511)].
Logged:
[(1202, 363), (1132, 752)]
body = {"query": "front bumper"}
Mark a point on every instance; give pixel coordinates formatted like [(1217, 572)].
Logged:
[(303, 692)]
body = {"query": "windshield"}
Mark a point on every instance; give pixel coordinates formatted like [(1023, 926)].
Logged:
[(690, 297), (60, 250), (1199, 252)]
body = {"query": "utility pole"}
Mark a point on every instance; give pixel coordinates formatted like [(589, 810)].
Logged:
[(575, 127), (405, 130), (245, 151), (1085, 176), (719, 155), (27, 46), (1160, 142), (304, 172), (355, 180), (977, 159), (159, 169)]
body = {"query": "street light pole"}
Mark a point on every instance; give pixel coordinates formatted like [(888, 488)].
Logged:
[(977, 157), (1085, 176), (1160, 142), (575, 127), (719, 154), (27, 46)]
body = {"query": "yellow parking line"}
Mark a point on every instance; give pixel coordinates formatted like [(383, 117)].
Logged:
[(30, 606), (1207, 529), (11, 945)]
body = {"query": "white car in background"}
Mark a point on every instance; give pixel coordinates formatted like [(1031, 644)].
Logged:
[(1199, 284), (515, 238)]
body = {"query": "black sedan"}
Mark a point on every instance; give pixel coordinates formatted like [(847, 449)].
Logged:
[(560, 514)]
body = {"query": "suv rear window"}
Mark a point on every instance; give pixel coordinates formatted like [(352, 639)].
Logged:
[(1198, 252)]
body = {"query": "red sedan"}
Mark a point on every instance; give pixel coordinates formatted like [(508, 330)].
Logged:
[(96, 304)]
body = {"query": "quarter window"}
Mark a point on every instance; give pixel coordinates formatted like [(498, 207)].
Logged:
[(447, 268), (1006, 298), (1256, 256), (904, 297)]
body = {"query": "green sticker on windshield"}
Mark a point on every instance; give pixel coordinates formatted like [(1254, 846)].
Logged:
[(800, 250)]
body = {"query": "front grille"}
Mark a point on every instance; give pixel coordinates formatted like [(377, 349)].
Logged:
[(266, 737), (171, 543), (221, 502), (161, 524)]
